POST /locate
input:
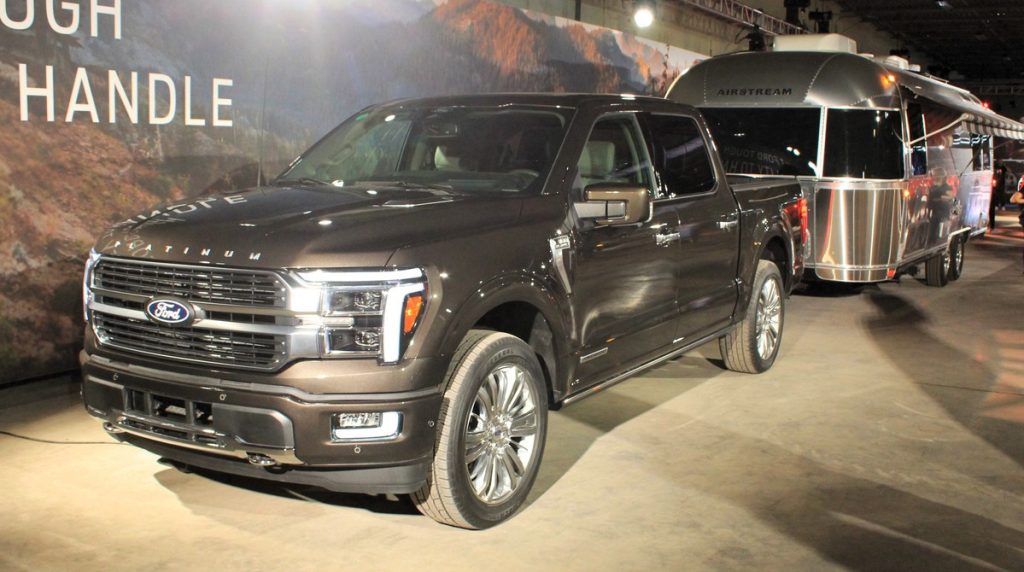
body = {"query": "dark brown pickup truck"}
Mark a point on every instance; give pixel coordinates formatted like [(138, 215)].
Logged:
[(400, 309)]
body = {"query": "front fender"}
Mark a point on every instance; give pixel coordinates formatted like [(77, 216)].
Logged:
[(533, 290)]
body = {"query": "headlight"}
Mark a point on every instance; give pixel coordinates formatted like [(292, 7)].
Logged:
[(90, 262), (368, 312)]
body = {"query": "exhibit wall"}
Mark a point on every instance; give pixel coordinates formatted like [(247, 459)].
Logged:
[(110, 107)]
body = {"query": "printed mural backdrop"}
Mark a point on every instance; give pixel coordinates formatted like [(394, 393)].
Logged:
[(108, 107)]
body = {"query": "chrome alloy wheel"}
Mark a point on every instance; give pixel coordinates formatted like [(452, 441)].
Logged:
[(956, 256), (769, 318), (501, 434)]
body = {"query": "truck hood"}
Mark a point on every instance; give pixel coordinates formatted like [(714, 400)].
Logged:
[(293, 227)]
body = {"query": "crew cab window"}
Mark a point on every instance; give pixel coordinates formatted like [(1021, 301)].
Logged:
[(680, 156), (615, 153)]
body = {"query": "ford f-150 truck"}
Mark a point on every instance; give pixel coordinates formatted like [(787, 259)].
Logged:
[(398, 311)]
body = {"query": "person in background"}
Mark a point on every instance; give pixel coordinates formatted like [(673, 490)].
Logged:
[(998, 194), (1018, 199)]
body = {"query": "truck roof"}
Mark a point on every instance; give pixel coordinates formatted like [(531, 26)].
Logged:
[(546, 99)]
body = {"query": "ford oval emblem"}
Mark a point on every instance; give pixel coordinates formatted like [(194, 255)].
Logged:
[(168, 311)]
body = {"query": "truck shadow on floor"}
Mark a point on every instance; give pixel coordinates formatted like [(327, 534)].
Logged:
[(571, 432), (859, 517), (964, 386), (830, 289), (574, 429), (380, 504)]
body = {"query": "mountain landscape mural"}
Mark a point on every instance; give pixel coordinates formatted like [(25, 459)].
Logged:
[(289, 72)]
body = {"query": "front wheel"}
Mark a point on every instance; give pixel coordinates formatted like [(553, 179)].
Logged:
[(491, 432), (752, 346)]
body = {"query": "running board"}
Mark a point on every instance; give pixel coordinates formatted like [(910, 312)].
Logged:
[(647, 365)]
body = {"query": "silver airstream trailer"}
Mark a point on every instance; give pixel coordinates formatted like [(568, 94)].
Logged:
[(896, 166)]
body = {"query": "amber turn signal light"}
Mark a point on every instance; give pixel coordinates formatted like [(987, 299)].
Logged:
[(411, 314)]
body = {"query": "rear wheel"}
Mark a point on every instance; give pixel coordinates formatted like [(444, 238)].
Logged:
[(936, 269), (491, 432), (956, 258), (752, 346)]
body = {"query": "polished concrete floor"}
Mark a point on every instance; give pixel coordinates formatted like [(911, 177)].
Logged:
[(889, 436)]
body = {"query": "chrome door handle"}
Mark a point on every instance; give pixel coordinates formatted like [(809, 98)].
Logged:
[(663, 239), (728, 224)]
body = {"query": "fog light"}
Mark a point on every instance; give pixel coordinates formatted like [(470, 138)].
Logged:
[(353, 341), (368, 339), (366, 426)]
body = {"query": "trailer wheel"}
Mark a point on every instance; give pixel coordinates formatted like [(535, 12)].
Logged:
[(490, 433), (751, 347), (937, 269), (956, 257)]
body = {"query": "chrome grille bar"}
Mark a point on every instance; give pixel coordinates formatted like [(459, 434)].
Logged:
[(221, 347), (222, 286)]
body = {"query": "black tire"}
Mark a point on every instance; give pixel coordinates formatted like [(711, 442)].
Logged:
[(482, 362), (740, 348), (957, 249), (936, 270)]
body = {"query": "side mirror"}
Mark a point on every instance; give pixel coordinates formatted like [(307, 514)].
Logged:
[(615, 204)]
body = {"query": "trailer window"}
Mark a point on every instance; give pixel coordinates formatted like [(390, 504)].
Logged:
[(970, 151), (776, 141), (864, 144), (918, 149)]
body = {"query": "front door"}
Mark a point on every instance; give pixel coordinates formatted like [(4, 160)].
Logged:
[(626, 276)]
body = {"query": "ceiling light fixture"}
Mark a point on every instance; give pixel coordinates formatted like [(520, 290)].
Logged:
[(944, 4), (643, 13)]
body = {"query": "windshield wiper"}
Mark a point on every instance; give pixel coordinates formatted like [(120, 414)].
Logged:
[(300, 181), (407, 185)]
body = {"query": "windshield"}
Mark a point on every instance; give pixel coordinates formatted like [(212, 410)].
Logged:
[(766, 141), (466, 149)]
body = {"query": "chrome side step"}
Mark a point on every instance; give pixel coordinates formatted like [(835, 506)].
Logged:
[(633, 371)]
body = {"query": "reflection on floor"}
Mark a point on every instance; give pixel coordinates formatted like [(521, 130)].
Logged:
[(889, 436)]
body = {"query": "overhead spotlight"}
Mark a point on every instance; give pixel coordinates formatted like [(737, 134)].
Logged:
[(944, 4), (643, 13)]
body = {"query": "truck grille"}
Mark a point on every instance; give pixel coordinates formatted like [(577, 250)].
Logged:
[(237, 349), (201, 284)]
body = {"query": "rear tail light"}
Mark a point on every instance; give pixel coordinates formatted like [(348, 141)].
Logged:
[(805, 228), (798, 215)]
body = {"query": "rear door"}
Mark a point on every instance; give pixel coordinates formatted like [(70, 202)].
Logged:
[(708, 232)]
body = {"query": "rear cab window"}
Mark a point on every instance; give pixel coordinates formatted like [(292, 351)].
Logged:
[(681, 159)]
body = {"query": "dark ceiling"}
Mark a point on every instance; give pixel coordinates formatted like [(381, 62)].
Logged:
[(982, 40)]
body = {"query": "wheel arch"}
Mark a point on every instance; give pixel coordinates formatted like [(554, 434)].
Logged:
[(520, 305), (780, 252)]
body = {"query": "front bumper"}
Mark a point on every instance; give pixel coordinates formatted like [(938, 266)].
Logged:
[(261, 431)]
